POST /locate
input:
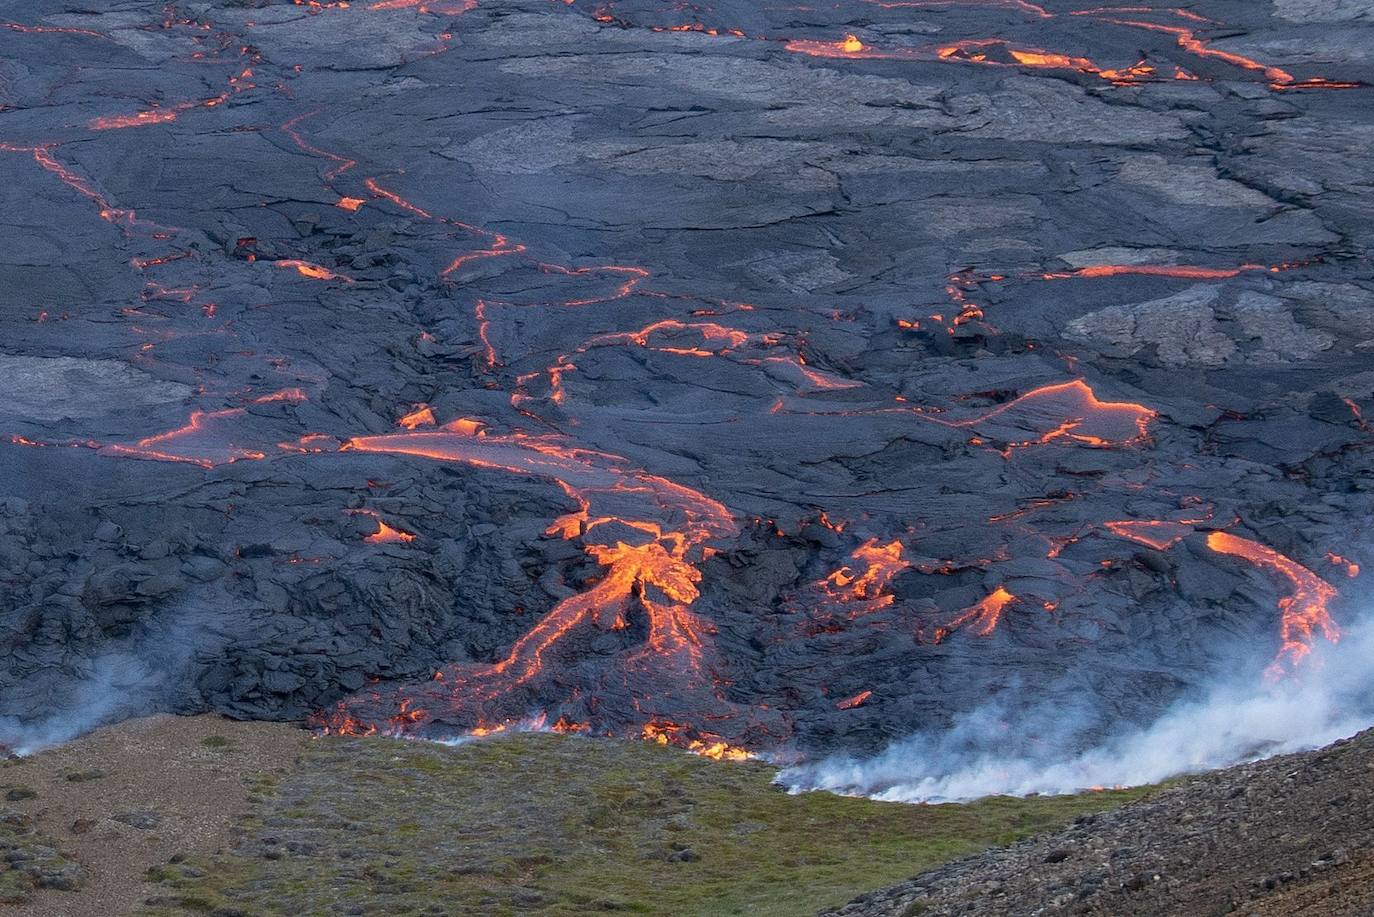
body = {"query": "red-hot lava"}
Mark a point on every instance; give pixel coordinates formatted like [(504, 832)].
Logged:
[(1002, 52), (126, 219), (849, 703), (1022, 6), (683, 736), (51, 30), (998, 52), (422, 416), (851, 47), (1068, 412), (1352, 569), (385, 534), (1186, 38), (1303, 613), (1064, 413), (1160, 535), (983, 616), (440, 7), (650, 570), (649, 535), (313, 271), (861, 586), (204, 440)]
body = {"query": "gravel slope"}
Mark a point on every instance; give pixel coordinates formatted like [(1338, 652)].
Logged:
[(1290, 835)]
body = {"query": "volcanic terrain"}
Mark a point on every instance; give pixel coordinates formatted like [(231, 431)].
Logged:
[(747, 377)]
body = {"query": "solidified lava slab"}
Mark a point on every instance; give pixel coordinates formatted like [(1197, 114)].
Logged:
[(747, 377)]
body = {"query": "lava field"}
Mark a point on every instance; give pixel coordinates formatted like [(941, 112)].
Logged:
[(754, 378)]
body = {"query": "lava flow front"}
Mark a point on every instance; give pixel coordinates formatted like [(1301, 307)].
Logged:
[(754, 380)]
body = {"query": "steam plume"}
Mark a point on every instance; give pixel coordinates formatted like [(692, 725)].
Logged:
[(136, 676), (995, 751)]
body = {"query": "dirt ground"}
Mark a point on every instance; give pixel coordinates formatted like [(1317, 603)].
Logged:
[(93, 794)]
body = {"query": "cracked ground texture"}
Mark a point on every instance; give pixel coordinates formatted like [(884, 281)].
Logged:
[(745, 377)]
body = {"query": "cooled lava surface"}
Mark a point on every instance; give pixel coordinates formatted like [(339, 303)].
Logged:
[(747, 377)]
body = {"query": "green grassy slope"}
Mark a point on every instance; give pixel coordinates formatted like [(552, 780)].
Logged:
[(567, 825)]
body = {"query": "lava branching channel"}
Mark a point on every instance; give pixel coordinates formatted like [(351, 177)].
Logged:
[(750, 379)]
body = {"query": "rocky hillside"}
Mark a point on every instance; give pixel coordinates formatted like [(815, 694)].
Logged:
[(1290, 835)]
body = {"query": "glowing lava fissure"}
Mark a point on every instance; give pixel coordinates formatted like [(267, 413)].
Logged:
[(649, 568), (1066, 412), (860, 587), (646, 535), (1303, 614), (981, 618), (1002, 52)]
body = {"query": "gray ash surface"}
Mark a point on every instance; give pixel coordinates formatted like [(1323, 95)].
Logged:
[(697, 372)]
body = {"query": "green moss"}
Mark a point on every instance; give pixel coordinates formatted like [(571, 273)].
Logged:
[(15, 887), (217, 742), (29, 859), (566, 825)]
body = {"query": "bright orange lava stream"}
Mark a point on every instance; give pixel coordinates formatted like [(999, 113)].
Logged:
[(850, 47), (849, 703), (646, 562), (984, 616), (646, 533), (1081, 417), (1001, 52), (1187, 39), (1182, 271), (866, 591), (1303, 613), (668, 733), (385, 534), (313, 271), (1158, 535)]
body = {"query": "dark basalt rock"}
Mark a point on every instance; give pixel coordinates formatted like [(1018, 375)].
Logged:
[(913, 290)]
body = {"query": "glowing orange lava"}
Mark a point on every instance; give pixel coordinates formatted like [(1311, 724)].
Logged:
[(863, 585), (313, 271), (652, 572), (984, 616), (1081, 417), (850, 47), (669, 733), (197, 442), (422, 416), (1303, 613), (386, 534), (1352, 569), (137, 119), (1158, 535), (1186, 38), (849, 703), (1181, 271)]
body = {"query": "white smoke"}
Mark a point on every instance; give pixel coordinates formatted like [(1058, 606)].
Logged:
[(1238, 718), (136, 676), (117, 685)]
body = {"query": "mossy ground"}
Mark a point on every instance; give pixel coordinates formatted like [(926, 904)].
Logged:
[(29, 860), (566, 826)]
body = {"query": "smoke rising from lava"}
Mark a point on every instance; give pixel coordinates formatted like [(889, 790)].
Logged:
[(144, 673), (1057, 746)]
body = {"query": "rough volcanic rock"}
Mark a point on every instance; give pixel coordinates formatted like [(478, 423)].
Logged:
[(726, 374), (54, 388)]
